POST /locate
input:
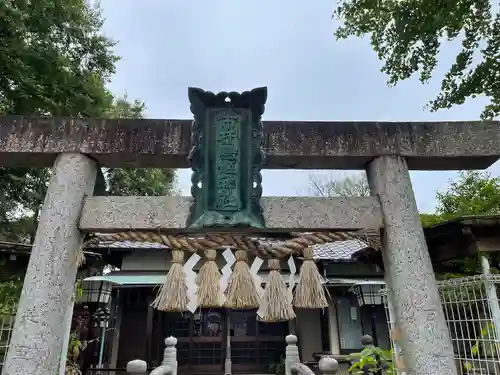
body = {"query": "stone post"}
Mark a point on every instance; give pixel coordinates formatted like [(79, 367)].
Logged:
[(42, 319), (328, 366), (291, 353), (228, 364), (170, 354), (491, 293), (367, 341), (425, 343), (137, 367)]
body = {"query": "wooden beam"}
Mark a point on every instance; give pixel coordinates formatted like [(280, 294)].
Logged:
[(288, 144), (282, 214), (488, 244)]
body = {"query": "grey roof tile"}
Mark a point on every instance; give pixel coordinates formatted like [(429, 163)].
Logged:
[(339, 250)]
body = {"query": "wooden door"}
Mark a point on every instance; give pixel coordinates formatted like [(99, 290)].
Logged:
[(255, 345), (200, 340)]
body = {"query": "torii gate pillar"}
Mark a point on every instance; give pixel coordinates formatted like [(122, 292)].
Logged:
[(47, 295), (426, 343)]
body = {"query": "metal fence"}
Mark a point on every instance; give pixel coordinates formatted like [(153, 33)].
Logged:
[(7, 318), (473, 316), (110, 371), (96, 371)]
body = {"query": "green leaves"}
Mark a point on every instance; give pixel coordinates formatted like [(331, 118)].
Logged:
[(75, 347), (56, 62), (137, 181), (53, 58), (407, 36), (148, 182), (22, 191), (10, 291), (486, 345), (373, 359), (473, 193), (278, 368)]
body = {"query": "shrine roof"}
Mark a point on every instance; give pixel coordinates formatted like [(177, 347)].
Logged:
[(25, 249), (339, 250), (454, 239)]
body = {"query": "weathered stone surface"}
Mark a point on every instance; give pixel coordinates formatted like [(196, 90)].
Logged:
[(42, 319), (137, 367), (281, 213), (425, 343), (288, 144)]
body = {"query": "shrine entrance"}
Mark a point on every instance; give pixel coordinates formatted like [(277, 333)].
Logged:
[(202, 340), (225, 223), (255, 345)]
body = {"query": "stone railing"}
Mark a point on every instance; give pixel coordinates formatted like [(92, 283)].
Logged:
[(167, 367), (293, 366)]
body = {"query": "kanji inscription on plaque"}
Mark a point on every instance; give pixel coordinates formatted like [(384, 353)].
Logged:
[(227, 161), (226, 158)]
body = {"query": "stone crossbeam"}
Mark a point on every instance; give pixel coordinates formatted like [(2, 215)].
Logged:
[(282, 214), (288, 144)]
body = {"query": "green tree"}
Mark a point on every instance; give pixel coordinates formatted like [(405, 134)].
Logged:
[(407, 36), (24, 188), (137, 181), (55, 61), (473, 193), (430, 219)]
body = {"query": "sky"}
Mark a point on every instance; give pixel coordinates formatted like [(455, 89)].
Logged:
[(223, 45)]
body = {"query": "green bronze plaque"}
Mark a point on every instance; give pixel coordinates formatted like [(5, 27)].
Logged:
[(226, 158)]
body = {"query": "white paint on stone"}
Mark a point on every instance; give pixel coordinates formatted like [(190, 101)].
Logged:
[(42, 319)]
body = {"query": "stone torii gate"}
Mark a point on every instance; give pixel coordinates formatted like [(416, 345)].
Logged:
[(75, 148)]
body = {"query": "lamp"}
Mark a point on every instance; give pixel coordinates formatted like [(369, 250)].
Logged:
[(101, 318), (368, 293), (95, 291), (369, 296)]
